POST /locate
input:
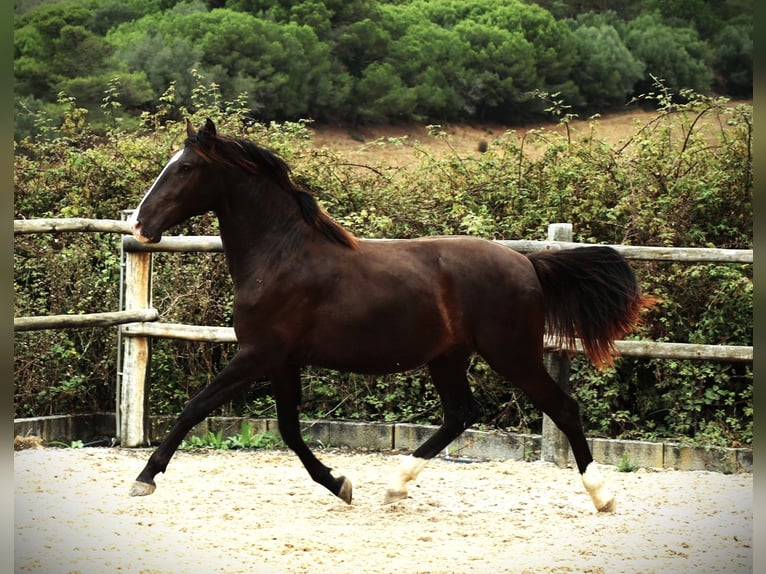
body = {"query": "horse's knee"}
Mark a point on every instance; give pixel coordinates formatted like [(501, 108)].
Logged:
[(464, 415), (290, 435)]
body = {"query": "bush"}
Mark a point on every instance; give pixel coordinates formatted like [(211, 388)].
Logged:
[(434, 60), (671, 182), (676, 55), (733, 61)]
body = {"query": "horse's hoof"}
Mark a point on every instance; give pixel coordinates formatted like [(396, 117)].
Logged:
[(602, 496), (394, 496), (345, 490), (142, 488), (610, 506)]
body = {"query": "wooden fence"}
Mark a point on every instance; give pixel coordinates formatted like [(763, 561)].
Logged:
[(139, 322)]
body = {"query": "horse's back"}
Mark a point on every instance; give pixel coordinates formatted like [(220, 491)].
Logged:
[(472, 279), (468, 262)]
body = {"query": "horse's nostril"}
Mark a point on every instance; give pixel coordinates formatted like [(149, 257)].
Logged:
[(135, 228)]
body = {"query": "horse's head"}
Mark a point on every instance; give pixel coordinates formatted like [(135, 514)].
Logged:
[(183, 189)]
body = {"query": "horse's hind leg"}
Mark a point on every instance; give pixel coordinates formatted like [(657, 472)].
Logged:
[(565, 413), (460, 411)]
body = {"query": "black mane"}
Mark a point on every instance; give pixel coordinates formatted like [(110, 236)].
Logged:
[(250, 156)]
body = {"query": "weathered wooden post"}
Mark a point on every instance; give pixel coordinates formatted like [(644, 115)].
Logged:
[(554, 445), (133, 407)]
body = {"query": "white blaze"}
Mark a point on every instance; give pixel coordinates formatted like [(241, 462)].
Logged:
[(133, 219)]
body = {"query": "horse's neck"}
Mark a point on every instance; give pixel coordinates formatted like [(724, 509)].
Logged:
[(260, 226)]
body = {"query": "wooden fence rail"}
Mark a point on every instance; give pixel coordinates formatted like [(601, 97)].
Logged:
[(207, 244), (84, 320), (73, 224), (139, 321), (653, 349)]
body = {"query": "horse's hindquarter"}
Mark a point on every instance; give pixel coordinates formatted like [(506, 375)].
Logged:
[(495, 290), (395, 305)]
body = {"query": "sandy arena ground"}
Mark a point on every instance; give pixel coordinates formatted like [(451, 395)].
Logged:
[(258, 512)]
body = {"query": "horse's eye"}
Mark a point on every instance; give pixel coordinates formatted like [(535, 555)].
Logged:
[(185, 168)]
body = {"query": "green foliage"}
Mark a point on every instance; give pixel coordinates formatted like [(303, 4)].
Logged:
[(608, 71), (500, 68), (58, 47), (626, 465), (675, 55), (290, 78), (733, 60), (246, 439), (684, 178), (377, 60), (404, 397), (73, 444)]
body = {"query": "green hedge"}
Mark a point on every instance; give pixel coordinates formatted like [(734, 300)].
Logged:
[(669, 183)]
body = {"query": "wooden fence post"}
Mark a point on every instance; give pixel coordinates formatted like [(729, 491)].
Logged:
[(554, 444), (133, 407)]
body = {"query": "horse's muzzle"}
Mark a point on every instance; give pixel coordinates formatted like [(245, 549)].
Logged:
[(135, 228)]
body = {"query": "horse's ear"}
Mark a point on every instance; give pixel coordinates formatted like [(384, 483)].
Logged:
[(209, 128), (190, 129)]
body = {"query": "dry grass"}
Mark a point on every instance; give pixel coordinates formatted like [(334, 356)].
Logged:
[(373, 145)]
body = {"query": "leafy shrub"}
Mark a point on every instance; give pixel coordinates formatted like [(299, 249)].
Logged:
[(246, 439)]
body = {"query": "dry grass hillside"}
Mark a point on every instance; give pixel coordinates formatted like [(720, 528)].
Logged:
[(366, 144)]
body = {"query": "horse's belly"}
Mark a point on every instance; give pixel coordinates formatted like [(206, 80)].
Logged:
[(380, 348)]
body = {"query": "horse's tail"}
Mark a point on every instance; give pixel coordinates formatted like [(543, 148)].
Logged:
[(591, 293)]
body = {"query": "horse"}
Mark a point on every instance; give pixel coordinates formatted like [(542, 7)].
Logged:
[(309, 292)]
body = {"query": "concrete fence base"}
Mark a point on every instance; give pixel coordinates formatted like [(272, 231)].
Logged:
[(472, 444)]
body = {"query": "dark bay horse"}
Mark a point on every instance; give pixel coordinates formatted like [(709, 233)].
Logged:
[(308, 292)]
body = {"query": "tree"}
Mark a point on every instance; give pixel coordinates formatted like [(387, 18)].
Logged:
[(341, 12), (286, 71), (361, 44), (380, 95), (315, 15), (112, 13), (674, 55), (500, 69), (707, 17), (606, 71), (553, 43), (431, 60), (733, 61), (161, 59), (54, 43), (562, 9)]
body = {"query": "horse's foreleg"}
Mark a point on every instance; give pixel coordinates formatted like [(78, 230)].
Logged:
[(460, 411), (235, 377), (287, 394)]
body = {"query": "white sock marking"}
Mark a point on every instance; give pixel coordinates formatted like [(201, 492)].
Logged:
[(599, 491), (409, 469)]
